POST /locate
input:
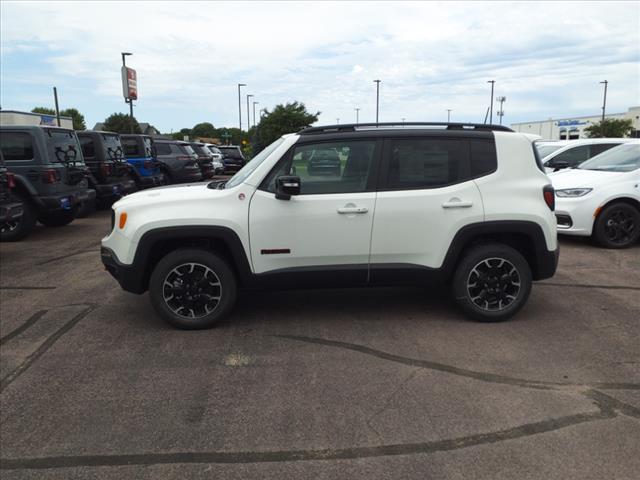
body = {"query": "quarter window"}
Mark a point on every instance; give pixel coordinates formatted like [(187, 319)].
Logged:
[(16, 146), (88, 149), (429, 163), (335, 167)]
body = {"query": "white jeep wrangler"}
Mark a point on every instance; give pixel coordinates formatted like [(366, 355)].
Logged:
[(347, 205)]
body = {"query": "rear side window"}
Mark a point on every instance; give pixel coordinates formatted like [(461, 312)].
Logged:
[(483, 157), (88, 149), (131, 147), (163, 148), (16, 146), (427, 163)]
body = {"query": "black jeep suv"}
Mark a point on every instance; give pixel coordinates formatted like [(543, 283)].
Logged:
[(109, 172), (50, 176)]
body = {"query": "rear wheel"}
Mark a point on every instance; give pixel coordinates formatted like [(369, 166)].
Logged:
[(58, 219), (21, 227), (192, 289), (492, 282), (617, 226)]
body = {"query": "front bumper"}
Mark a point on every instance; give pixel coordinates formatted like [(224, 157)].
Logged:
[(546, 264), (130, 278), (10, 212), (575, 215)]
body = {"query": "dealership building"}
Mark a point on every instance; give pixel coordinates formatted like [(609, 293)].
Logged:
[(570, 128)]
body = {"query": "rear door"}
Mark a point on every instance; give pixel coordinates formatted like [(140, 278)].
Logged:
[(427, 194), (327, 227)]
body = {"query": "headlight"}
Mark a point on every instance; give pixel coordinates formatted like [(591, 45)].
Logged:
[(573, 192)]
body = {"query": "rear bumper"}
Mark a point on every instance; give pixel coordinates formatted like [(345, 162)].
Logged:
[(64, 201), (115, 189), (10, 212), (150, 181)]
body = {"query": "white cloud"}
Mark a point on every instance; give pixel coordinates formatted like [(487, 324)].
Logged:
[(547, 58)]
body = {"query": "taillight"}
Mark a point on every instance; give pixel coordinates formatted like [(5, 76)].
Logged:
[(185, 158), (549, 195), (11, 180), (105, 169), (50, 176)]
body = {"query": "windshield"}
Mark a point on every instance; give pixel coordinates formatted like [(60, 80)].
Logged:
[(254, 163), (623, 158), (544, 150), (64, 146)]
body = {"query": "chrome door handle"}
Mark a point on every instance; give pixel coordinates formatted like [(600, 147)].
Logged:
[(458, 204), (344, 210)]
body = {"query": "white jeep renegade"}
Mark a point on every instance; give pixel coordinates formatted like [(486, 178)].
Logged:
[(347, 205)]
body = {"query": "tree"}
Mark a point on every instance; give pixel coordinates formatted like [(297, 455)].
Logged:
[(610, 128), (121, 123), (283, 119), (76, 116), (204, 129), (185, 132)]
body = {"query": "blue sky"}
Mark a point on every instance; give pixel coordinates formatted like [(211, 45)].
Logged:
[(546, 58)]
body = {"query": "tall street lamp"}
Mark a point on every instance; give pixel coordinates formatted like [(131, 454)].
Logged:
[(492, 82), (377, 82), (248, 117), (357, 116), (128, 100), (604, 103), (240, 106), (254, 112), (501, 112)]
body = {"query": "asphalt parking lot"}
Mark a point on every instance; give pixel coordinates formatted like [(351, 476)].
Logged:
[(386, 383)]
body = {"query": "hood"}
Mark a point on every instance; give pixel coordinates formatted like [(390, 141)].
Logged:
[(168, 193), (576, 178)]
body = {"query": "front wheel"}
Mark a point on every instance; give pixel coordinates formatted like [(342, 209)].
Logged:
[(617, 226), (492, 282), (192, 289)]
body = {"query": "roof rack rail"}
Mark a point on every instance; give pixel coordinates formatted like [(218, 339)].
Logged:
[(354, 127)]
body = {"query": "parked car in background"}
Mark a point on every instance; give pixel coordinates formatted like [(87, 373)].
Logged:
[(218, 166), (109, 171), (571, 153), (324, 162), (601, 197), (10, 209), (205, 159), (232, 158), (178, 161), (139, 152), (50, 175)]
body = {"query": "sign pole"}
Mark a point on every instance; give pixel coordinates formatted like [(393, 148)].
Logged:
[(55, 96)]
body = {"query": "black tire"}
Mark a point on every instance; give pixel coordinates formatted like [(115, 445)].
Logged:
[(14, 231), (617, 226), (58, 219), (170, 301), (492, 282)]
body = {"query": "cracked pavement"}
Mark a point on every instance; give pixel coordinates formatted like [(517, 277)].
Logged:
[(385, 383)]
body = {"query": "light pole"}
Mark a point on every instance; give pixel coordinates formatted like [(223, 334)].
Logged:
[(357, 116), (239, 106), (449, 115), (492, 82), (501, 112), (337, 121), (604, 103), (128, 100), (248, 117), (254, 113), (377, 82)]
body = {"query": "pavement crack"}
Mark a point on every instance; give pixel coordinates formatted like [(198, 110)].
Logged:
[(26, 288), (30, 322), (462, 372), (582, 285)]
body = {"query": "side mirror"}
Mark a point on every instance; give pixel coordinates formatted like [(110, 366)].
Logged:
[(287, 185), (558, 164)]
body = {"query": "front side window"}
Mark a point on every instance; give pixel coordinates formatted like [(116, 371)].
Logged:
[(16, 146), (598, 148), (332, 167), (573, 156), (429, 163)]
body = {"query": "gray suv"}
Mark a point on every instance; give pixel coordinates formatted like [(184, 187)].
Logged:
[(177, 161), (50, 176)]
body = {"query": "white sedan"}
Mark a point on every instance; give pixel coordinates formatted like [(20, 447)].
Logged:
[(601, 197)]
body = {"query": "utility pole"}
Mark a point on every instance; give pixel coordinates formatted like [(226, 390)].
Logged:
[(240, 106), (254, 113), (337, 121), (248, 117), (501, 112), (55, 97), (357, 116), (492, 82), (128, 100), (449, 115), (377, 82), (604, 103)]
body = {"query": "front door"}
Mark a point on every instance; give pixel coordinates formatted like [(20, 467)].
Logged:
[(327, 227)]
